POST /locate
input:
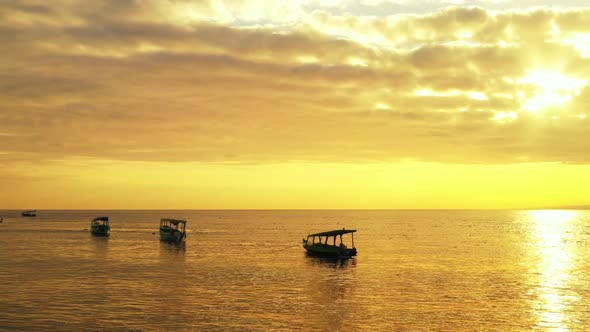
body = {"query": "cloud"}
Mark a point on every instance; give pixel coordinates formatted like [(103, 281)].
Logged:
[(139, 81)]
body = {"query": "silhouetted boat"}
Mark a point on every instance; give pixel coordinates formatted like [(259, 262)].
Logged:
[(324, 244), (100, 226), (30, 213), (172, 230)]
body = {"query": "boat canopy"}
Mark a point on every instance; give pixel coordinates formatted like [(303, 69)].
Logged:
[(30, 211), (334, 233), (173, 221), (101, 219)]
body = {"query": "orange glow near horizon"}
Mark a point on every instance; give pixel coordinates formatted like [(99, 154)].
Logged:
[(407, 185)]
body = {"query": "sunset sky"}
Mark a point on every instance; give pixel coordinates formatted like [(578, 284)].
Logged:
[(294, 104)]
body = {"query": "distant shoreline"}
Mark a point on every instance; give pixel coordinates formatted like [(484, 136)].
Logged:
[(573, 207)]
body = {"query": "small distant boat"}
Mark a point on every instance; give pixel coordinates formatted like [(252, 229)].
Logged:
[(172, 230), (1, 219), (100, 226), (30, 213), (324, 244)]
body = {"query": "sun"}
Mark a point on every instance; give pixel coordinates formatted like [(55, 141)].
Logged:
[(545, 88), (580, 42)]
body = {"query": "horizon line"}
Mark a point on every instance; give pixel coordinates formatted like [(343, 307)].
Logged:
[(568, 207)]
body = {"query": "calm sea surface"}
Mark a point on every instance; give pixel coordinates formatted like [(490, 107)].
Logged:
[(247, 271)]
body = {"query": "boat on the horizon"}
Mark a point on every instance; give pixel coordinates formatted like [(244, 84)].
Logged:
[(324, 244), (172, 230), (100, 226), (29, 213)]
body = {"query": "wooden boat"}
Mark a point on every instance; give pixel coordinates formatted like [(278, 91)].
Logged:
[(324, 244), (30, 213), (172, 230), (100, 226)]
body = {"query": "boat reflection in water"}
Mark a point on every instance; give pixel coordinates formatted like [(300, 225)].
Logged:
[(330, 262), (556, 247), (101, 246), (172, 248), (330, 292)]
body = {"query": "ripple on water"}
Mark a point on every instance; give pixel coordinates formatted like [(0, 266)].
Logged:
[(246, 271)]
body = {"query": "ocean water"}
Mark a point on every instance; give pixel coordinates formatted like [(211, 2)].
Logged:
[(247, 271)]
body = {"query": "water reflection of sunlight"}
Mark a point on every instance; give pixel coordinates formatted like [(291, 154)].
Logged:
[(553, 229)]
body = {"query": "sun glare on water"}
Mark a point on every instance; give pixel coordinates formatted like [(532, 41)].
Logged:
[(553, 229)]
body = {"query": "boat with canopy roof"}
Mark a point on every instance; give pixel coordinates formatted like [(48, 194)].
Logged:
[(324, 244), (29, 213), (100, 226), (172, 230)]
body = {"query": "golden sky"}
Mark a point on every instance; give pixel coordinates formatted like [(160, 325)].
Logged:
[(294, 104)]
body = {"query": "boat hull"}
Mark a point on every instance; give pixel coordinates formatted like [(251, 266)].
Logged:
[(174, 236), (100, 230), (329, 251)]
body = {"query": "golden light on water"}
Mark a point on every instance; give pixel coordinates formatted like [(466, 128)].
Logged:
[(553, 231)]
